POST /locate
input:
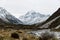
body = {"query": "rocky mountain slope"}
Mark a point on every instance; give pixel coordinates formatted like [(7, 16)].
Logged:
[(6, 17), (53, 21)]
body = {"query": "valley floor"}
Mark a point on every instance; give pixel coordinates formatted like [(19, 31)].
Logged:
[(10, 34)]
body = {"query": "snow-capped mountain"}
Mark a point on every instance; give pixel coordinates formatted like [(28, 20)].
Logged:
[(7, 17), (33, 17)]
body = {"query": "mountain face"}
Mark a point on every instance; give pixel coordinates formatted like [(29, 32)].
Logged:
[(53, 21), (33, 17), (54, 15), (7, 17)]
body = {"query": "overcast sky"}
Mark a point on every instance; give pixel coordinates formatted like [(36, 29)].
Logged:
[(21, 7)]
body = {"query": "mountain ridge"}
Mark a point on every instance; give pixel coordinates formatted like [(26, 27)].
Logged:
[(53, 21), (7, 17), (33, 17)]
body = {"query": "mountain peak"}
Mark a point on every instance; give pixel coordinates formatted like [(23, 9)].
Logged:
[(58, 11), (58, 8), (33, 17), (7, 17), (31, 12), (3, 11), (1, 8)]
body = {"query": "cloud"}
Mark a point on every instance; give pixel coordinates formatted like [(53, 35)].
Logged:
[(20, 7)]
